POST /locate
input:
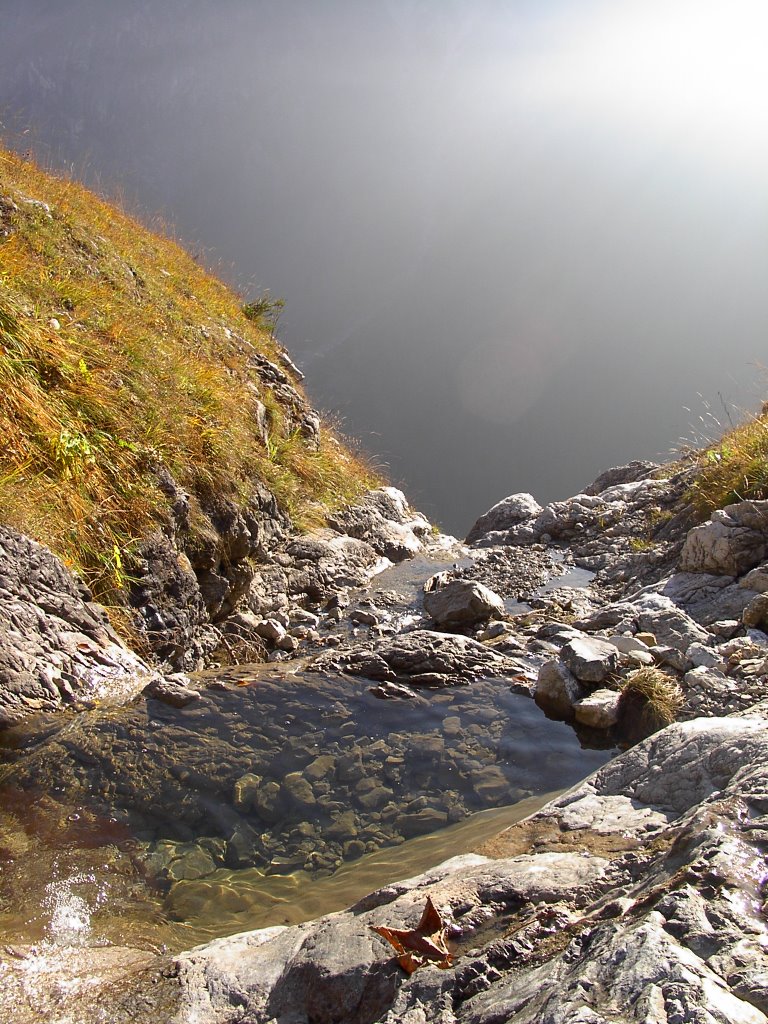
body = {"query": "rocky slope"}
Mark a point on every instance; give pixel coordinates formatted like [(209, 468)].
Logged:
[(636, 896)]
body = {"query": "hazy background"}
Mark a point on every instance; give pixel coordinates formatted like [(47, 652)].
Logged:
[(516, 238)]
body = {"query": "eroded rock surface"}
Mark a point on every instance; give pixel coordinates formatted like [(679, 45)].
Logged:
[(56, 645)]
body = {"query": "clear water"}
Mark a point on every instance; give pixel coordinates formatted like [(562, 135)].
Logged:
[(131, 825)]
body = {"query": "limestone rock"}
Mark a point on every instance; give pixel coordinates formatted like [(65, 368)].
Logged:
[(168, 691), (56, 645), (409, 657), (630, 473), (557, 690), (755, 615), (505, 514), (732, 542), (598, 710), (385, 521), (590, 660), (462, 601)]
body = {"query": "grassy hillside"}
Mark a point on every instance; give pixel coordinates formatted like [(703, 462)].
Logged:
[(118, 355)]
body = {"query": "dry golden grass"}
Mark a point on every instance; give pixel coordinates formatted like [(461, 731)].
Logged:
[(119, 353), (735, 468), (658, 692)]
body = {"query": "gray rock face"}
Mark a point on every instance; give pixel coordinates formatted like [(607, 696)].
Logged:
[(462, 601), (589, 659), (653, 613), (504, 515), (56, 645), (426, 658), (706, 597), (732, 542), (385, 520)]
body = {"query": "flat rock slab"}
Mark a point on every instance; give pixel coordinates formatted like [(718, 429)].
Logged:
[(410, 657)]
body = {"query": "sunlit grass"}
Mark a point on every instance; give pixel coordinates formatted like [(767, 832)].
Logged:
[(733, 468), (118, 354)]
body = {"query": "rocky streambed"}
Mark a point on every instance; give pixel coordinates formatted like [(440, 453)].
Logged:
[(396, 705)]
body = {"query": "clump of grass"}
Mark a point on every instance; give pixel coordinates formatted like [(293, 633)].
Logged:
[(650, 700), (119, 355), (735, 468)]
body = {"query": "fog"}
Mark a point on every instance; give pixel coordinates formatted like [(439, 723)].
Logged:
[(519, 240)]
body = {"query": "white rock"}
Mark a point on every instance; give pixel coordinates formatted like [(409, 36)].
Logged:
[(704, 657), (626, 644)]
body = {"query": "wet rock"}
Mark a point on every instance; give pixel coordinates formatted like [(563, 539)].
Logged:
[(167, 691), (491, 785), (343, 828), (245, 790), (321, 768), (297, 792), (394, 691), (243, 846), (557, 690), (590, 660), (267, 802), (417, 823), (421, 652), (364, 616), (462, 602)]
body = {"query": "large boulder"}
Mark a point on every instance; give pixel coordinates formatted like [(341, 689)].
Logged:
[(589, 659), (384, 519), (730, 543), (462, 602), (557, 690), (631, 472), (504, 515)]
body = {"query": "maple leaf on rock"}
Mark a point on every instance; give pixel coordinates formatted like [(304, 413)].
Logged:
[(427, 943)]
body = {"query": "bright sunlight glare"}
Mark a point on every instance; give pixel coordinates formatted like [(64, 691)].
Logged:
[(694, 66)]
